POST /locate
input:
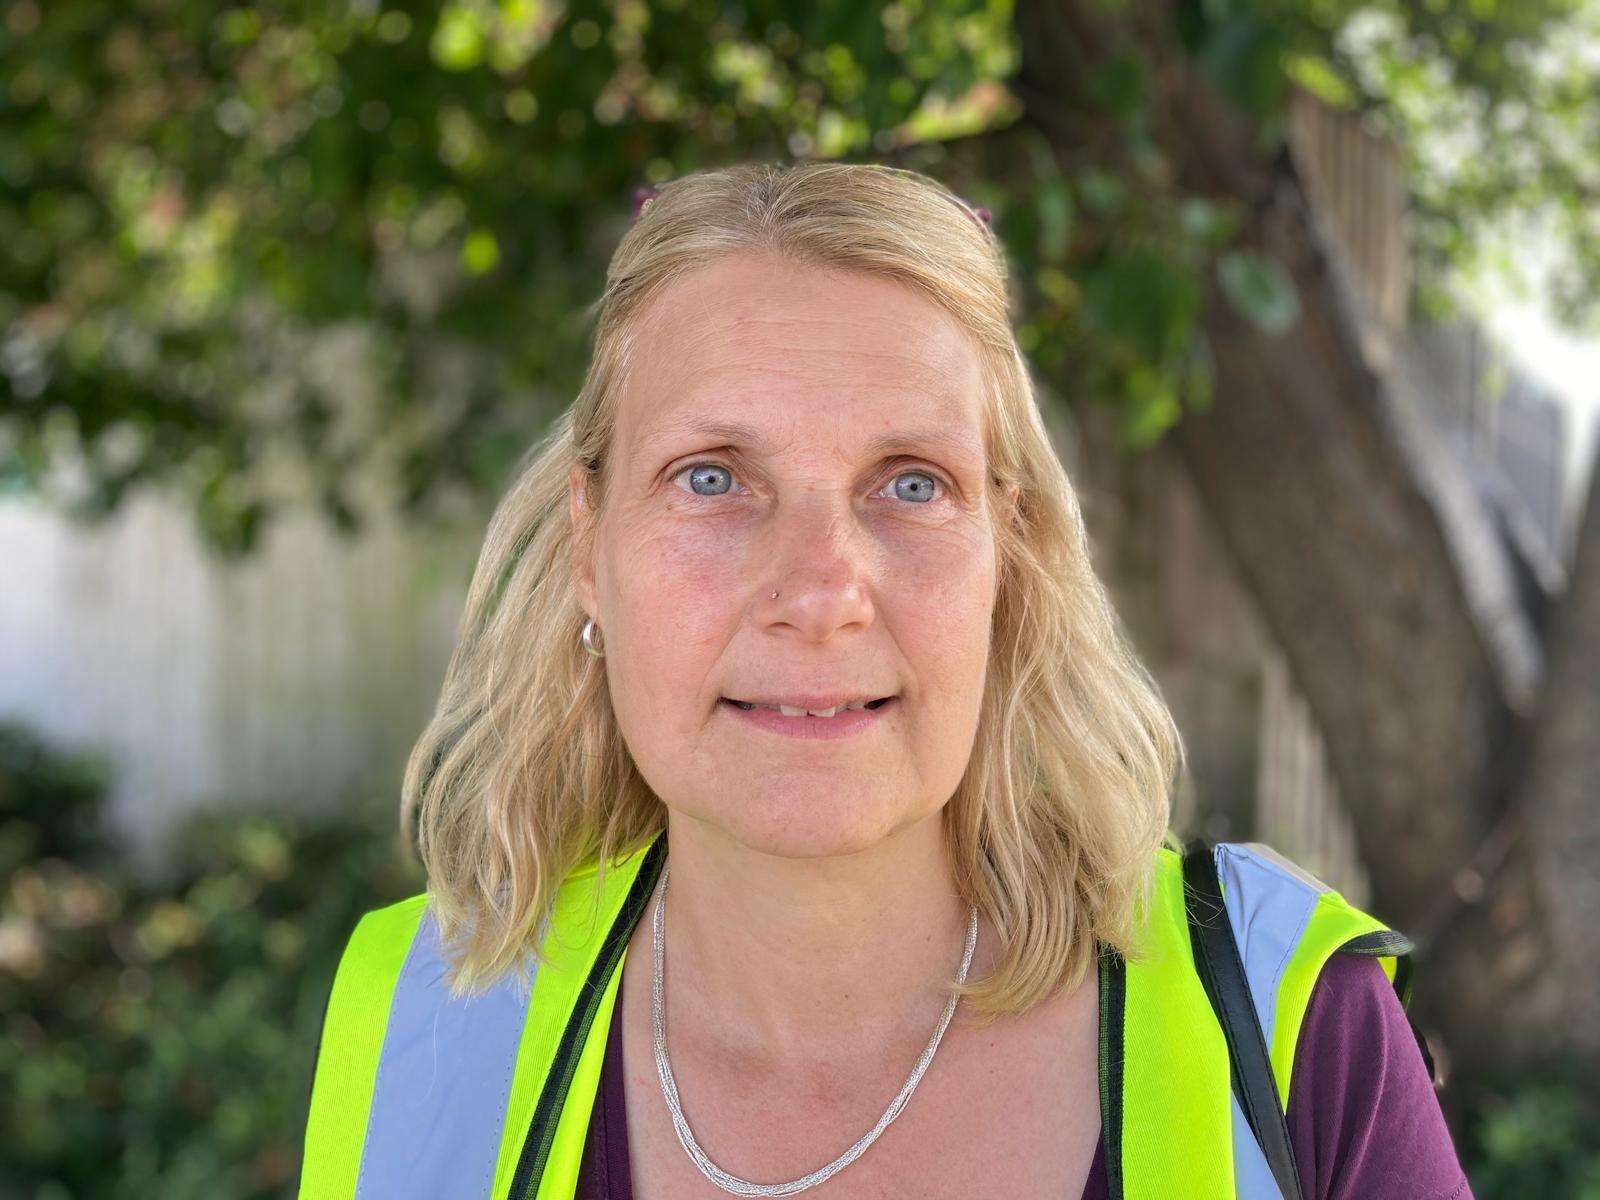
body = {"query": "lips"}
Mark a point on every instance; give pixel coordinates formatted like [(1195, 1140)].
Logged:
[(803, 726)]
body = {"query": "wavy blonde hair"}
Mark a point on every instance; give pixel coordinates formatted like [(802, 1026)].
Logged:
[(522, 775)]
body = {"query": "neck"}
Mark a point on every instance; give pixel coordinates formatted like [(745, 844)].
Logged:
[(804, 960)]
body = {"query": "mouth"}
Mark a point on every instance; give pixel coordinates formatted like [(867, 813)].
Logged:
[(818, 713)]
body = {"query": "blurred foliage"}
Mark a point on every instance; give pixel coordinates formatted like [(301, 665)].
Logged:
[(194, 199), (156, 1038), (49, 803), (1535, 1135)]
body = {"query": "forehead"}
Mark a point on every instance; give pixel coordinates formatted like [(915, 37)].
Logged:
[(759, 340)]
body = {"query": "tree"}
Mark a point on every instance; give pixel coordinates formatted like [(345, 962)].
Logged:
[(1463, 734), (192, 194)]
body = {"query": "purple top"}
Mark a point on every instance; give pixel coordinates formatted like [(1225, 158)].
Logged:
[(1363, 1116)]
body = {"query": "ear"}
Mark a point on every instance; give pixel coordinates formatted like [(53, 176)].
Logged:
[(581, 517), (1010, 514)]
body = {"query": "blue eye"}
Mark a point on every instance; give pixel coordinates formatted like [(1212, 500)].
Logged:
[(920, 491), (718, 479)]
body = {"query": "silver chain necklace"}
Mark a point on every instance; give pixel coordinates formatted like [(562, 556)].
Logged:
[(669, 1087)]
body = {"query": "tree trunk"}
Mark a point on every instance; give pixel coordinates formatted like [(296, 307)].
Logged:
[(1469, 776)]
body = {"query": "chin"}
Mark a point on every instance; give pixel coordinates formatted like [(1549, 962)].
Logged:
[(791, 829), (801, 827), (808, 843)]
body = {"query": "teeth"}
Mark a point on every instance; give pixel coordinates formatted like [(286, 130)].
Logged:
[(790, 710)]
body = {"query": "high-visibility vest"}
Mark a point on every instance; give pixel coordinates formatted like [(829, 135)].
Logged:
[(419, 1095)]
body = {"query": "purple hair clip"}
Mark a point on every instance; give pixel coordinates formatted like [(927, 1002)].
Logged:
[(643, 193), (979, 213)]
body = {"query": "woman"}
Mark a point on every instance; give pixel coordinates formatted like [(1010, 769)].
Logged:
[(785, 667)]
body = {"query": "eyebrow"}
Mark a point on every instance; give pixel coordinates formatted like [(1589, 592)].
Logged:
[(890, 441)]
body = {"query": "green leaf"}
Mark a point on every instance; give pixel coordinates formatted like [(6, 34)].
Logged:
[(1318, 76), (1052, 201), (1206, 221), (458, 40), (1260, 289), (1103, 192), (1150, 406), (1243, 56), (1120, 86), (1145, 299), (480, 252)]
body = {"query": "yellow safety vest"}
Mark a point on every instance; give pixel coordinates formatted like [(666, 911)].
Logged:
[(419, 1095)]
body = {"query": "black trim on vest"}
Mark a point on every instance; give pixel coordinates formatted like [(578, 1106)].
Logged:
[(547, 1113), (1402, 980), (1221, 971), (1380, 943), (1113, 1001)]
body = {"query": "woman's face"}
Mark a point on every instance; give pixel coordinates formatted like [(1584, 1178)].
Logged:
[(816, 434)]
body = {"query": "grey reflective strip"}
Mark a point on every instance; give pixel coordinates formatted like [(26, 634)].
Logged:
[(1269, 908), (1288, 866), (1270, 901), (444, 1077), (1252, 1178)]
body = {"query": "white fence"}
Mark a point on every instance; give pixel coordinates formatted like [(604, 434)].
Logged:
[(291, 678)]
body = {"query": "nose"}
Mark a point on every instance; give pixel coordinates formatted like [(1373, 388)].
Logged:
[(821, 569)]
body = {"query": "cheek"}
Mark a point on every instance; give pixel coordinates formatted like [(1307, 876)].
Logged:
[(695, 572), (671, 592), (942, 616), (680, 572), (947, 585)]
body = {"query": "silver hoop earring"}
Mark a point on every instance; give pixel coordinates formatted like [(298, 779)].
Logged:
[(589, 630)]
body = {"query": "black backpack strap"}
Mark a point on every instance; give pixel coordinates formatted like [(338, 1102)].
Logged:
[(1221, 971)]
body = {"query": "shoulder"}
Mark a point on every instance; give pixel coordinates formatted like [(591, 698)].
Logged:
[(1363, 1114), (390, 919), (1354, 1023), (383, 936), (370, 965)]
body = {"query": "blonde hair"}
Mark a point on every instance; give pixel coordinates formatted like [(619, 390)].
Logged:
[(522, 775)]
